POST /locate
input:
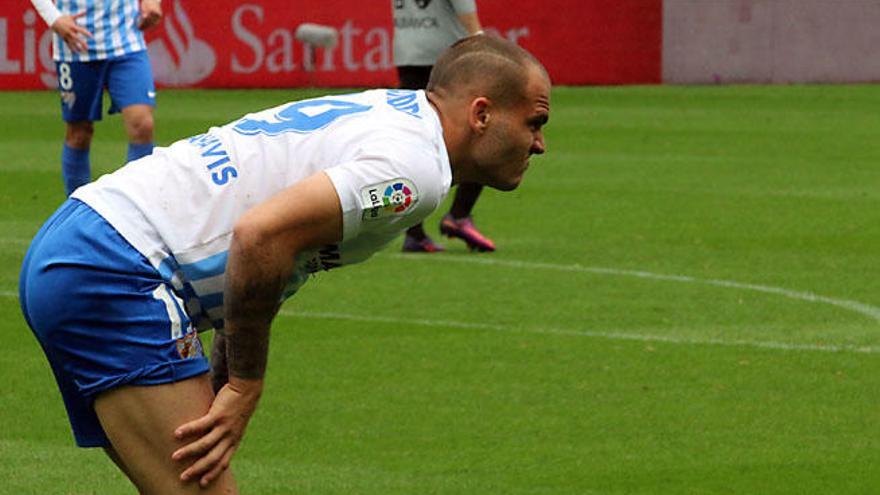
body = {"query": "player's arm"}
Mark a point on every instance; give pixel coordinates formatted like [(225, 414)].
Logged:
[(64, 25), (466, 10), (471, 23), (261, 259), (219, 369), (151, 14)]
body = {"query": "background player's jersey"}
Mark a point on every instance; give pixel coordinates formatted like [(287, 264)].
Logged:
[(382, 149), (113, 24), (423, 29)]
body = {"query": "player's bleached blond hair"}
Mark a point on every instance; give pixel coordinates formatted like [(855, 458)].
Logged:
[(484, 65)]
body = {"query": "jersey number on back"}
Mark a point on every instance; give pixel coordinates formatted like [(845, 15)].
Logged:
[(301, 117)]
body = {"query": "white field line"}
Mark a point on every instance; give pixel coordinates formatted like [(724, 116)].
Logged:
[(638, 337), (861, 308), (872, 312)]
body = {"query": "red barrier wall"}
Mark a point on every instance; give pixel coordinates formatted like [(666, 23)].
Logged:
[(226, 43)]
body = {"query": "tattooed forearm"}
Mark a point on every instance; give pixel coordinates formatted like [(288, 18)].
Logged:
[(219, 371), (247, 352), (255, 278)]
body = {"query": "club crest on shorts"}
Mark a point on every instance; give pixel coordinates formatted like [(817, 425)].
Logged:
[(189, 346), (393, 197)]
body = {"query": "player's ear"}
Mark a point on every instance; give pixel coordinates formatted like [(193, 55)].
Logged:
[(478, 114)]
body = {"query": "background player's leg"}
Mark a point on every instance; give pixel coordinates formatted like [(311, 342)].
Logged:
[(81, 89), (75, 165), (458, 222), (133, 92), (465, 198), (138, 121), (140, 423)]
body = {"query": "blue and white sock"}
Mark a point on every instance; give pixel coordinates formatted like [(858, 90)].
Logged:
[(75, 168)]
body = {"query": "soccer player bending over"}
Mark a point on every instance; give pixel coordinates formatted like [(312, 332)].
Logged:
[(216, 230)]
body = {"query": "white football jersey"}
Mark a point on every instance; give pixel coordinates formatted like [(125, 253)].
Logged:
[(382, 149)]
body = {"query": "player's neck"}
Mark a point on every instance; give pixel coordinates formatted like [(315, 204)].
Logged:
[(453, 137)]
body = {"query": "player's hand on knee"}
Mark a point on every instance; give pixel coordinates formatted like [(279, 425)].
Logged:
[(219, 432), (72, 33)]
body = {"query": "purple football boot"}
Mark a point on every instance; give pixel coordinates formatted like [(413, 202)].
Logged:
[(425, 245), (465, 230)]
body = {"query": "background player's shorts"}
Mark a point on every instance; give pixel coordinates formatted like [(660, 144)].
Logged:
[(103, 315), (128, 79), (413, 76)]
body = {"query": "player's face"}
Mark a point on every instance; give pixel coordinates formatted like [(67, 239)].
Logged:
[(514, 135)]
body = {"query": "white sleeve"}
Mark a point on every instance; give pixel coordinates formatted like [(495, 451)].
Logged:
[(47, 10), (381, 189)]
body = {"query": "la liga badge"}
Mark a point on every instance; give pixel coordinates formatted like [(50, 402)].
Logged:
[(393, 197)]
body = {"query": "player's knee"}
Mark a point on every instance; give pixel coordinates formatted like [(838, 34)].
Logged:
[(79, 135), (140, 128)]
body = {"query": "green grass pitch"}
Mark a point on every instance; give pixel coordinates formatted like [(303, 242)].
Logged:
[(685, 300)]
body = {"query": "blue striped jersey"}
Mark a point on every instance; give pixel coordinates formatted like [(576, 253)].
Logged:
[(113, 24), (383, 150)]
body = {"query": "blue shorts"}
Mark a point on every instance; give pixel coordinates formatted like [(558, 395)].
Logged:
[(102, 314), (128, 79)]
